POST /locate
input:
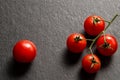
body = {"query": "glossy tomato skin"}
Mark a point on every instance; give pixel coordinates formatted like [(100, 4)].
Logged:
[(24, 51), (94, 24), (111, 49), (89, 66), (76, 46)]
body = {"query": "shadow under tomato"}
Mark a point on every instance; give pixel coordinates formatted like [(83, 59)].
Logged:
[(16, 69), (71, 58), (87, 35), (105, 60), (82, 75)]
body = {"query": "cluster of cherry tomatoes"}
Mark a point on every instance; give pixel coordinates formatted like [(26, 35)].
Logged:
[(24, 51), (106, 44)]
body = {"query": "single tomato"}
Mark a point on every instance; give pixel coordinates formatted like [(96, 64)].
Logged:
[(93, 25), (107, 45), (24, 51), (91, 63), (76, 42)]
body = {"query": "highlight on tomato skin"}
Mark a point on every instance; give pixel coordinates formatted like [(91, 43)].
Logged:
[(91, 63), (24, 51), (76, 42), (107, 45), (94, 24)]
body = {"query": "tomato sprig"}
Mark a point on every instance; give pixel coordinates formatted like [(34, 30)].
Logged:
[(107, 48), (106, 44)]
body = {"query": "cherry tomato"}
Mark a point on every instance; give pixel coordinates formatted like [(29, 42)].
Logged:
[(76, 42), (107, 45), (93, 25), (91, 63), (24, 51)]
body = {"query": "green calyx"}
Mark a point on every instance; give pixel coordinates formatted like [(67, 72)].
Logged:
[(93, 63), (93, 60), (106, 45), (77, 38), (95, 20)]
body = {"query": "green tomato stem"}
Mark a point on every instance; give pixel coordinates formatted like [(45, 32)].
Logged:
[(107, 21), (111, 21), (89, 39), (104, 37)]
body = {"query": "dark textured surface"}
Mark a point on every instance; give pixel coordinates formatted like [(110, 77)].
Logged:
[(48, 23)]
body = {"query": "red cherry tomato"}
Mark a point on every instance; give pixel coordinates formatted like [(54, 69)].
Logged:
[(107, 45), (24, 51), (93, 25), (91, 63), (76, 43)]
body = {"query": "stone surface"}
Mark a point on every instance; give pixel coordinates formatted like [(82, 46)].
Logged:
[(48, 23)]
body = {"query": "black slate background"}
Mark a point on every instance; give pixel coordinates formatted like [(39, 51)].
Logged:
[(48, 23)]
